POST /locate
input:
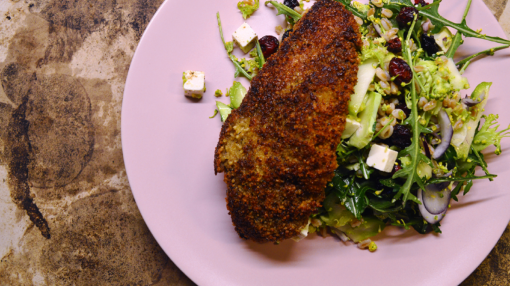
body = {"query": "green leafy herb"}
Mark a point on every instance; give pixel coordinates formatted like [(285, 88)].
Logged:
[(260, 55), (439, 22), (410, 170), (354, 10), (239, 68), (364, 167), (457, 39), (489, 52), (481, 162), (459, 179), (488, 135), (463, 64), (351, 192), (229, 48), (282, 9), (357, 201), (383, 206), (391, 183), (456, 191), (248, 7)]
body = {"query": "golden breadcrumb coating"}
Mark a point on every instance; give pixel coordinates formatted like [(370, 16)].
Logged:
[(278, 149)]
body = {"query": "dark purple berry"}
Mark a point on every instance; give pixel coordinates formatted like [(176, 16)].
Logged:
[(269, 45), (286, 34), (401, 136), (428, 43), (291, 3), (403, 106), (401, 71), (394, 45), (406, 16)]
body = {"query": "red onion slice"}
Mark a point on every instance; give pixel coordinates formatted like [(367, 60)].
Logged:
[(436, 198), (446, 134), (428, 217), (426, 147), (469, 102)]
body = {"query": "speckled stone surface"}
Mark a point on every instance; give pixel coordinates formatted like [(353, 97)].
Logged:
[(67, 215)]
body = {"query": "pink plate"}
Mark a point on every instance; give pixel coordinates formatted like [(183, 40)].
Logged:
[(169, 143)]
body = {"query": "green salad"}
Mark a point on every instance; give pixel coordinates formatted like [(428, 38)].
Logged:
[(413, 138)]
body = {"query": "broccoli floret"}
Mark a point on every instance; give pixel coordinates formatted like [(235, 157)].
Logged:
[(377, 51), (372, 246), (361, 7), (248, 7)]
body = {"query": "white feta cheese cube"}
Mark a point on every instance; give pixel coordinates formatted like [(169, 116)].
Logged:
[(351, 126), (382, 158), (193, 84), (245, 37)]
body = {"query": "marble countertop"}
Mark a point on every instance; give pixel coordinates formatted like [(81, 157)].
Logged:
[(67, 214)]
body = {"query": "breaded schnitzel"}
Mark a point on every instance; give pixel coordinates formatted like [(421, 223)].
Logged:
[(278, 149)]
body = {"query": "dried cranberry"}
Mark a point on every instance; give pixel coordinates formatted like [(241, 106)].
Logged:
[(401, 136), (394, 45), (401, 71), (428, 43), (421, 2), (269, 45), (291, 3), (403, 106), (396, 168), (406, 16), (286, 34)]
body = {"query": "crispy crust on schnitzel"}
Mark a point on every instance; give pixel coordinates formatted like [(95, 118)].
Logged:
[(278, 149)]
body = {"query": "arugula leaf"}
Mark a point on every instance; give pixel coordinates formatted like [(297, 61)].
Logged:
[(439, 22), (457, 39), (354, 11), (356, 201), (390, 183), (239, 68), (436, 229), (410, 170), (463, 64), (481, 161), (364, 167), (456, 191), (383, 206), (229, 48), (282, 9), (460, 179), (468, 186), (247, 8), (456, 42), (260, 55), (351, 192)]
